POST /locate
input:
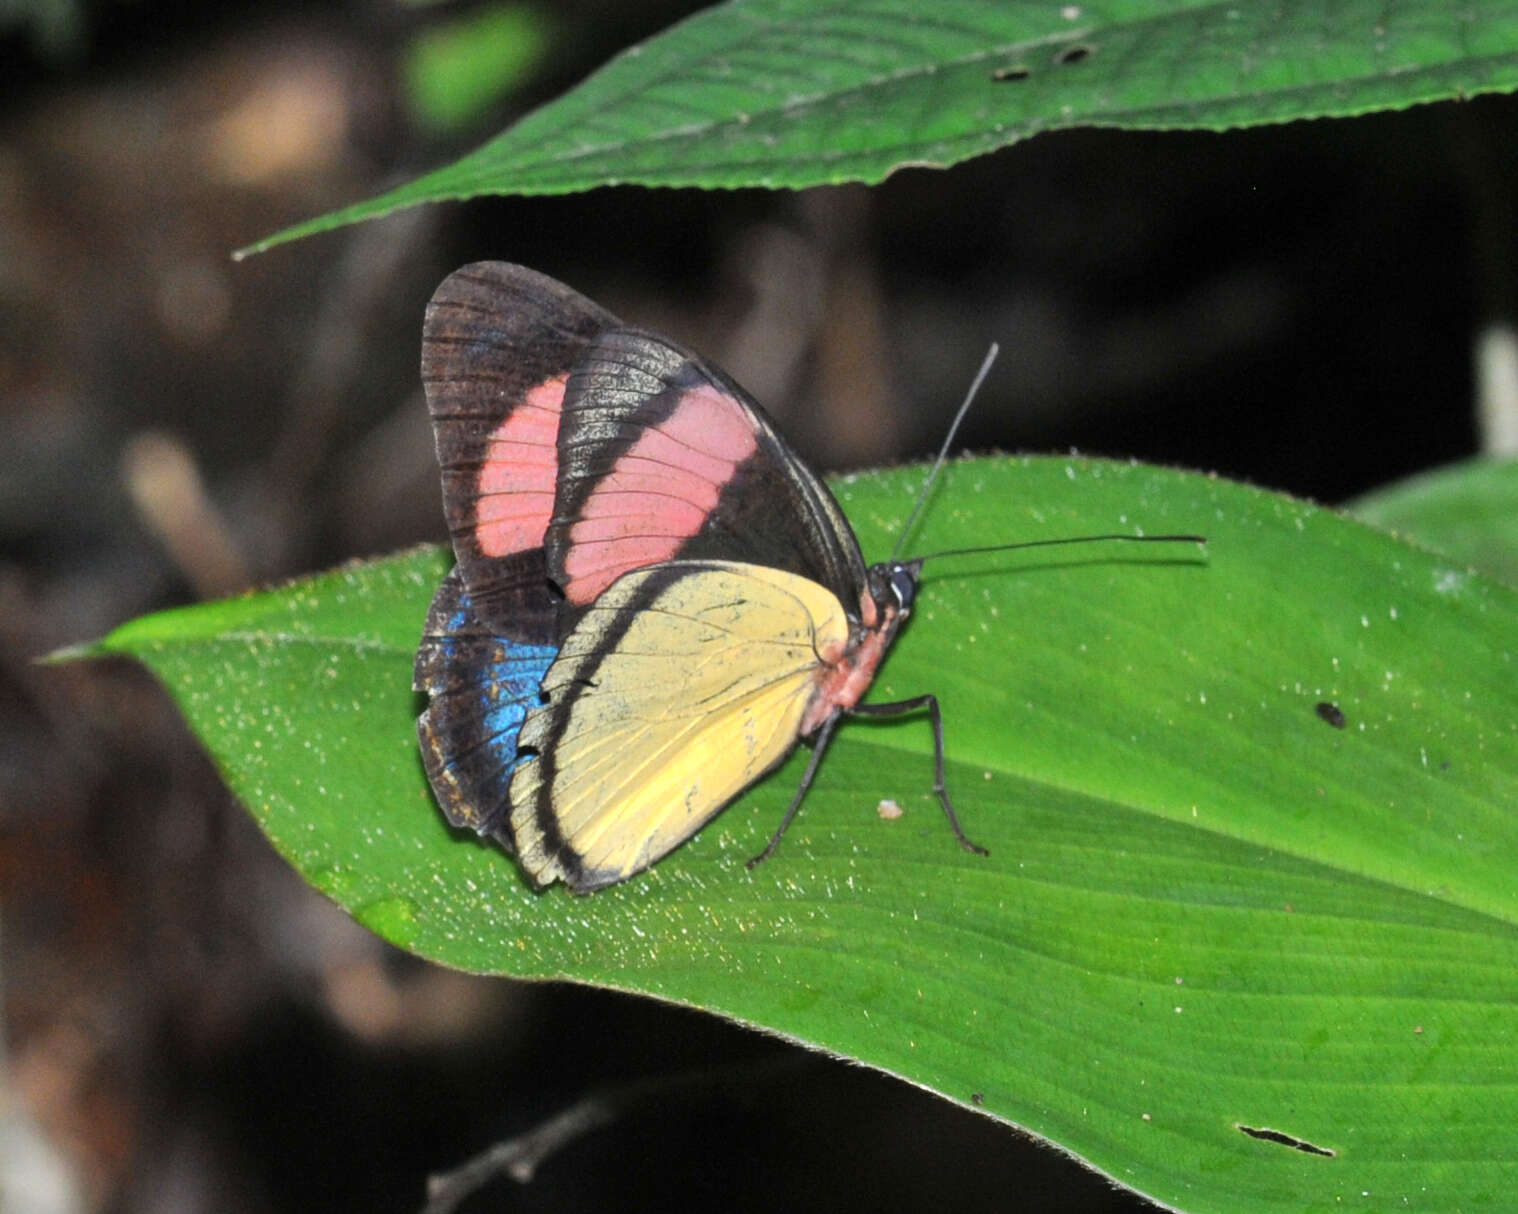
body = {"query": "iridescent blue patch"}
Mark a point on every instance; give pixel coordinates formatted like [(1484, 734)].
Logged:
[(481, 687), (508, 688)]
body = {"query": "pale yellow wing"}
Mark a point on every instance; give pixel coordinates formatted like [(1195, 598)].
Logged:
[(683, 684)]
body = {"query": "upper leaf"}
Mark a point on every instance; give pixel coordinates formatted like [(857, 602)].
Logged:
[(800, 93)]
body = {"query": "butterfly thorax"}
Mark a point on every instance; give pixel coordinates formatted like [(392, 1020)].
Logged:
[(846, 670)]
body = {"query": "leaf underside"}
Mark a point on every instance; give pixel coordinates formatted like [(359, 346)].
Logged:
[(794, 93)]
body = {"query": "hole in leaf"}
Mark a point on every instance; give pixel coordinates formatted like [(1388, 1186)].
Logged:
[(1074, 53), (1016, 72), (1286, 1140)]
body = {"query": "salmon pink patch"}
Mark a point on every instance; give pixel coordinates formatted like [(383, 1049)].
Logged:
[(516, 480), (659, 493)]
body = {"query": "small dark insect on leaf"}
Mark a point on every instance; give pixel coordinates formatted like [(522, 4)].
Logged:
[(1331, 713)]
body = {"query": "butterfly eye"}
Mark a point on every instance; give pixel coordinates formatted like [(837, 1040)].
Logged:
[(904, 588)]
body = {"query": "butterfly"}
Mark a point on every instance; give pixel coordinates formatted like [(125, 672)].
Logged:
[(654, 598)]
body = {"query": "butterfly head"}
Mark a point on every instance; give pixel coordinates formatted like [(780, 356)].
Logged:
[(890, 591)]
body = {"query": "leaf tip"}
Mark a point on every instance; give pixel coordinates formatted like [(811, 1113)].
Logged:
[(76, 652)]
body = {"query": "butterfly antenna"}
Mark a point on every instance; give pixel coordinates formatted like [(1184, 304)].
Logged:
[(943, 452), (1069, 539)]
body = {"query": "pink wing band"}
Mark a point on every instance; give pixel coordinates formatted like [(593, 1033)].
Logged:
[(659, 493), (516, 483)]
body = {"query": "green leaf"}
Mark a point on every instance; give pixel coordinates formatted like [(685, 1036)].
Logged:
[(793, 93), (1468, 511), (1206, 908)]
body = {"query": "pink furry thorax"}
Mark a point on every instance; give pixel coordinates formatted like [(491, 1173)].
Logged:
[(847, 670)]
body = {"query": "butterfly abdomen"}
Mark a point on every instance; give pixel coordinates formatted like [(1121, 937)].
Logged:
[(846, 672)]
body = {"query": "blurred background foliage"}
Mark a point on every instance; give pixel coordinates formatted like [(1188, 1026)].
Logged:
[(1315, 307)]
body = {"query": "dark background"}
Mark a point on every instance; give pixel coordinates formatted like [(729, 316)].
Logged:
[(186, 1025)]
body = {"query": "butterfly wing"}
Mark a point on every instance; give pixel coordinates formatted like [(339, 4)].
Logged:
[(497, 345), (678, 687), (480, 685), (662, 457)]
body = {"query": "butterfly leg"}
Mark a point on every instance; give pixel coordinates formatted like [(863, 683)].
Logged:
[(940, 784), (819, 748), (825, 735)]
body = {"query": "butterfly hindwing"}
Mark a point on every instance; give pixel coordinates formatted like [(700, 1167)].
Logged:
[(679, 686), (662, 457), (481, 686), (498, 344)]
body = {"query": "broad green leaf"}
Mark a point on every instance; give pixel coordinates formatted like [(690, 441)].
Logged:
[(792, 93), (1206, 907), (1468, 511)]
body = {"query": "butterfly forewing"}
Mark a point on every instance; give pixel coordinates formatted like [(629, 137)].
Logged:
[(662, 457), (498, 343), (680, 686)]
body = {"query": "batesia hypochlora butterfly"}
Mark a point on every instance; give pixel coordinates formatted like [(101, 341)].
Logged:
[(654, 598)]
